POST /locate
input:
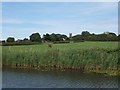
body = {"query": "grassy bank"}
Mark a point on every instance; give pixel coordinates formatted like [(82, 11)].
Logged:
[(84, 56)]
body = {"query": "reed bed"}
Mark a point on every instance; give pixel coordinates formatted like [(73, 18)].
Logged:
[(84, 56)]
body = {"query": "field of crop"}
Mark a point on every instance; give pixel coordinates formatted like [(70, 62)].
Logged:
[(83, 56)]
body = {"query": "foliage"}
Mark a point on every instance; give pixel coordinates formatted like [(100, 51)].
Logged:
[(10, 39), (19, 43), (83, 56), (35, 37), (61, 42), (55, 37), (25, 39), (86, 36), (77, 38), (61, 38)]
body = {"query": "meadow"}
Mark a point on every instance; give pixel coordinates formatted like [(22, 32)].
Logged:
[(82, 56)]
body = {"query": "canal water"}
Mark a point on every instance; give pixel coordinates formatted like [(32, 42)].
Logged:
[(26, 78)]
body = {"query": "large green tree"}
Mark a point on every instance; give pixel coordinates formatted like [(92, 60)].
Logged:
[(85, 33), (10, 39), (77, 38), (47, 37), (35, 37), (53, 37)]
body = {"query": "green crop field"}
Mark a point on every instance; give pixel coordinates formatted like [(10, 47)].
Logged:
[(83, 56)]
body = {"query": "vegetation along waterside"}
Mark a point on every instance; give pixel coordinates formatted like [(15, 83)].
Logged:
[(100, 57)]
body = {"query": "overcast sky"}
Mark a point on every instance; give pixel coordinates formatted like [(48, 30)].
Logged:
[(20, 20)]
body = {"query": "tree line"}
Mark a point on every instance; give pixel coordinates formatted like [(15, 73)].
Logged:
[(87, 36), (36, 38)]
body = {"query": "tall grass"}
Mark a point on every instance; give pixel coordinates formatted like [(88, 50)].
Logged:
[(82, 56)]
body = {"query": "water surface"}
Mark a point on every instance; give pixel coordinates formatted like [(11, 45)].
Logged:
[(25, 78)]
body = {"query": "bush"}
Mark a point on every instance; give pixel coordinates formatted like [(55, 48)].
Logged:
[(60, 42), (19, 43), (10, 39)]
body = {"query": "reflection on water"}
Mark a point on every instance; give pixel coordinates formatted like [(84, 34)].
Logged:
[(20, 78)]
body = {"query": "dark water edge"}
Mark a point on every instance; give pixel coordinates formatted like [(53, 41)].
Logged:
[(111, 72), (30, 78)]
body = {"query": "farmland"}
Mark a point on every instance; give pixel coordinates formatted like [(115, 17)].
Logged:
[(83, 56)]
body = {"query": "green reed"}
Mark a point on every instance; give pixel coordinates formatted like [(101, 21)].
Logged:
[(83, 56)]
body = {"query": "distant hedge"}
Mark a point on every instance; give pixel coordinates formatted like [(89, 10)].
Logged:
[(60, 42), (19, 43)]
